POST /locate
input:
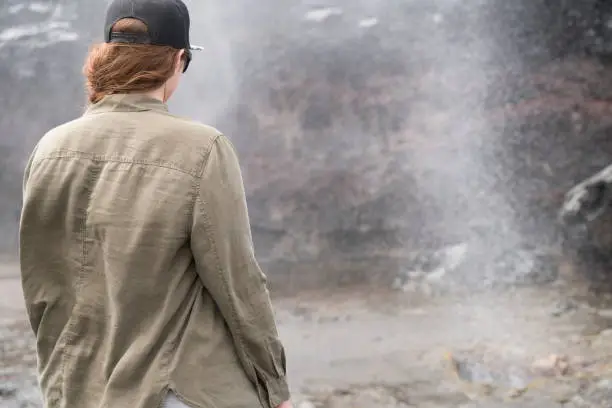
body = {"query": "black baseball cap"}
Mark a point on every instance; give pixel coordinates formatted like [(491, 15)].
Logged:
[(167, 24)]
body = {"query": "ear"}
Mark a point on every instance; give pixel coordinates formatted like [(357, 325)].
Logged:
[(179, 61)]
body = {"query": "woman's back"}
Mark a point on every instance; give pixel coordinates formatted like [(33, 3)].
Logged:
[(112, 289), (137, 261)]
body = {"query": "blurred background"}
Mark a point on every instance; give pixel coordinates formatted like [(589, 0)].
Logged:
[(422, 146), (372, 133)]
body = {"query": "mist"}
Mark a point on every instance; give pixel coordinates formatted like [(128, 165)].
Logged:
[(357, 122), (418, 147)]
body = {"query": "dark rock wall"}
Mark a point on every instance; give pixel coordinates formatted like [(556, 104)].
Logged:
[(384, 129)]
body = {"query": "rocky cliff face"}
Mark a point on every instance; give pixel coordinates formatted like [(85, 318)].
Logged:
[(368, 132)]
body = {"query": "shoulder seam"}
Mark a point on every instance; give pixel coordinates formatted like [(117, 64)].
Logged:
[(206, 155), (72, 154), (197, 180)]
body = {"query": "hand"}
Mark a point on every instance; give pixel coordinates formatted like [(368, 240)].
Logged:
[(286, 404)]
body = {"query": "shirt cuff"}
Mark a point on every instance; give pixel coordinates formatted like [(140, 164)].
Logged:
[(274, 392)]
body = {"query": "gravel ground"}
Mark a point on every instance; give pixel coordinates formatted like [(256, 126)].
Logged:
[(531, 347)]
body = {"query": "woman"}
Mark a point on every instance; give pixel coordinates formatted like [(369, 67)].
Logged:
[(136, 255)]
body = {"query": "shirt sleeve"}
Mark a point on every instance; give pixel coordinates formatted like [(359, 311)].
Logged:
[(26, 172), (223, 250)]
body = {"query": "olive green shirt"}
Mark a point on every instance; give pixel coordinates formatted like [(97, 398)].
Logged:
[(138, 267)]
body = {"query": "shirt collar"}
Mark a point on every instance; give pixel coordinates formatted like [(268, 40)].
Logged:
[(127, 103)]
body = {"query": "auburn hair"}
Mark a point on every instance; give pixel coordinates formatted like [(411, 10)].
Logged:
[(113, 68)]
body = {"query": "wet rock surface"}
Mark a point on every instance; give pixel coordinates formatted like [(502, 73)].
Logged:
[(482, 368), (520, 347), (18, 384)]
